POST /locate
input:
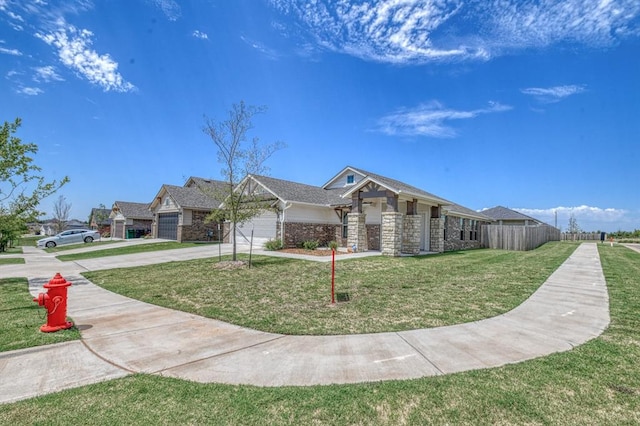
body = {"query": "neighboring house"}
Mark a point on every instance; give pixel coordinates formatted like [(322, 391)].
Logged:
[(100, 221), (179, 212), (362, 211), (504, 216), (130, 220)]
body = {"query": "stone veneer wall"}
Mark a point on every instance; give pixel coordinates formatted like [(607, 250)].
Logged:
[(297, 233), (411, 234), (373, 237), (391, 238), (357, 232), (198, 230), (437, 235)]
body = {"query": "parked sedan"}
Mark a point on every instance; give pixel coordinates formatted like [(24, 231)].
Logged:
[(72, 236)]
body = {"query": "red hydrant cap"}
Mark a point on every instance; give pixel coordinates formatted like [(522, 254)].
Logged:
[(57, 281)]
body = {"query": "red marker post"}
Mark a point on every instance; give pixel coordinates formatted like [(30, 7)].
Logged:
[(333, 276)]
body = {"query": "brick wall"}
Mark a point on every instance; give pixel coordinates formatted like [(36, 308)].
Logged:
[(297, 233), (199, 229), (373, 237), (453, 241)]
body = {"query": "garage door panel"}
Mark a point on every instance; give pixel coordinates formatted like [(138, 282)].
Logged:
[(264, 229), (168, 226)]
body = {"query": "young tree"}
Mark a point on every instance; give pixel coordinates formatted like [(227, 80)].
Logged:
[(573, 225), (21, 186), (61, 211), (239, 158)]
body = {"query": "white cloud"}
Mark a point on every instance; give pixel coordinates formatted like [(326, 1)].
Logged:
[(31, 91), (589, 218), (74, 51), (430, 119), (266, 51), (417, 31), (14, 52), (553, 94), (46, 74), (170, 8), (200, 35)]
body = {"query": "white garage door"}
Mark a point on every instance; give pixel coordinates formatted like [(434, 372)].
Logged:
[(264, 229)]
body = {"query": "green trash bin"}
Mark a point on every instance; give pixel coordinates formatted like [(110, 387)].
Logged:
[(131, 233)]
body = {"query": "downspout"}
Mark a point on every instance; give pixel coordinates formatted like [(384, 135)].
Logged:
[(282, 220)]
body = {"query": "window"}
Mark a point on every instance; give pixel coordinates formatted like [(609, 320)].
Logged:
[(166, 201), (345, 224), (350, 179), (461, 229)]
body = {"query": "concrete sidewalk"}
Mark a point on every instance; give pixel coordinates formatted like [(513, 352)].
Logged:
[(121, 336)]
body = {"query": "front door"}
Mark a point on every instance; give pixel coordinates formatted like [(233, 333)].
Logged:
[(425, 230)]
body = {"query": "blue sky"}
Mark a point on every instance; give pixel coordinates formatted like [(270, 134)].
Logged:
[(532, 105)]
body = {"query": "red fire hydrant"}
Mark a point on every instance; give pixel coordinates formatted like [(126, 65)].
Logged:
[(55, 302)]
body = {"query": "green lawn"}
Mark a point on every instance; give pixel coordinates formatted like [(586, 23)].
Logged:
[(21, 318), (128, 249), (289, 296), (597, 383), (11, 261)]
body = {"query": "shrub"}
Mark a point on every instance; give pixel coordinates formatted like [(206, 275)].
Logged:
[(333, 245), (311, 244), (273, 245)]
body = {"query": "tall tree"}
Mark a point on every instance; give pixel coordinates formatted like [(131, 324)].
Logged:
[(61, 211), (239, 157), (21, 185)]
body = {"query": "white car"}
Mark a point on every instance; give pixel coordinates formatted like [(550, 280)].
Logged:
[(72, 236)]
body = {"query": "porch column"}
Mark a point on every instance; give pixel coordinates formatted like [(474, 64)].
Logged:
[(411, 234), (391, 233), (357, 232), (437, 234)]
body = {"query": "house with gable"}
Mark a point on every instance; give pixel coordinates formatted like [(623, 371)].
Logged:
[(130, 220), (179, 212), (506, 216), (362, 211)]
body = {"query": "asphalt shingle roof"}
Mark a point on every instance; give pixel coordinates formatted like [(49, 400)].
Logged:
[(191, 197), (398, 186), (302, 193), (503, 213), (134, 210)]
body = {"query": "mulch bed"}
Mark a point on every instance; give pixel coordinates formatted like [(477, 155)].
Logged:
[(320, 252)]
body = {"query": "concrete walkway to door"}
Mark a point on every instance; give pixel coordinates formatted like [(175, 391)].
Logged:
[(122, 336)]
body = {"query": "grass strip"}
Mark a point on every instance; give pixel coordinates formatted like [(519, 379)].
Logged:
[(290, 296), (11, 261), (127, 249), (21, 319), (596, 383)]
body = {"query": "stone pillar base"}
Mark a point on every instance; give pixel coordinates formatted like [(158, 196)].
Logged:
[(391, 234), (357, 232), (411, 234)]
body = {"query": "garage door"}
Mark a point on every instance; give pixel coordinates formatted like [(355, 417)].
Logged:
[(264, 229), (168, 226)]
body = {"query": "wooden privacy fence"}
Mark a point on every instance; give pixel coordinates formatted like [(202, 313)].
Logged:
[(517, 237), (580, 236)]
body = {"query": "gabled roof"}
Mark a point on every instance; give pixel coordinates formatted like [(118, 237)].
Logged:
[(461, 211), (191, 197), (299, 192), (503, 213), (104, 213), (134, 210), (394, 185)]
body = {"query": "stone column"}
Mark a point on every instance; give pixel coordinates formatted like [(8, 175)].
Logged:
[(437, 234), (357, 232), (411, 234), (391, 234)]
